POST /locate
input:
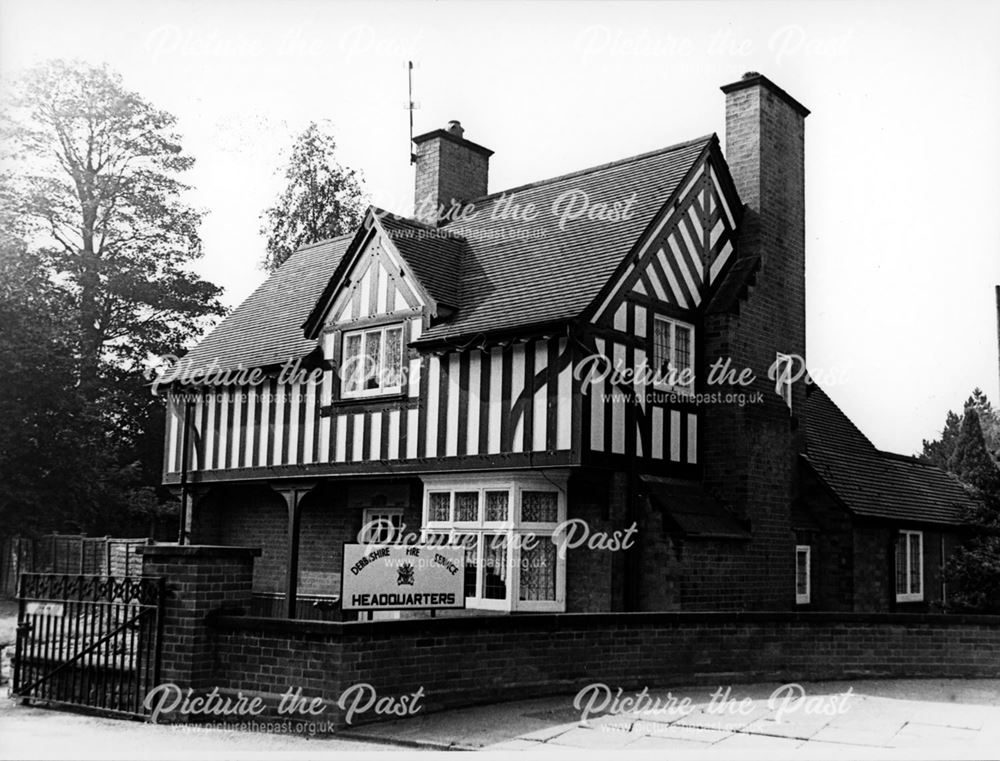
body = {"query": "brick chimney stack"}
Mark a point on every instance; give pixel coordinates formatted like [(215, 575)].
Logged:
[(765, 150), (750, 453), (449, 169)]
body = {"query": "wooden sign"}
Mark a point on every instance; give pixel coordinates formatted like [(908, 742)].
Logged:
[(54, 609), (402, 577)]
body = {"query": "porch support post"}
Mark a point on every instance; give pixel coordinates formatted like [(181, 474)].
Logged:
[(191, 496), (293, 495)]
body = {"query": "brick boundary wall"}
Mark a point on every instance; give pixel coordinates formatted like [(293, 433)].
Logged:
[(210, 644), (466, 661), (199, 580)]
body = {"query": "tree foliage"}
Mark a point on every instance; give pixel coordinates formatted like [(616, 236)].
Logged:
[(939, 451), (98, 172), (96, 246), (321, 199), (969, 459), (973, 570)]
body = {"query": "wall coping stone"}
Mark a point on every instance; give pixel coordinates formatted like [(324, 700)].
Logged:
[(557, 621), (198, 550)]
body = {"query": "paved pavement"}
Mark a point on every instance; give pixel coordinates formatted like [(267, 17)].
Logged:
[(859, 719), (27, 732)]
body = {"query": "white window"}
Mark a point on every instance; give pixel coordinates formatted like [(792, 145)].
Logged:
[(673, 354), (909, 566), (506, 526), (372, 361), (381, 525), (783, 377), (803, 579)]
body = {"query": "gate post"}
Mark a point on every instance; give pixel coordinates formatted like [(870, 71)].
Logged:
[(200, 579)]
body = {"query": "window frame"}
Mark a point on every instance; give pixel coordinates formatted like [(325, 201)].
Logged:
[(909, 595), (381, 329), (370, 514), (535, 526), (806, 597), (511, 528), (673, 322)]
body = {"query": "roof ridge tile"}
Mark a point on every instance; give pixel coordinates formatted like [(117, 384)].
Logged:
[(596, 168)]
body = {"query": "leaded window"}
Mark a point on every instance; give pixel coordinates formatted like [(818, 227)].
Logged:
[(372, 361), (509, 529), (673, 354)]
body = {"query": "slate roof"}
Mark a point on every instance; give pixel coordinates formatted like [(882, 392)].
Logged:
[(496, 273), (266, 329), (738, 278), (518, 273), (688, 510), (876, 484), (435, 255)]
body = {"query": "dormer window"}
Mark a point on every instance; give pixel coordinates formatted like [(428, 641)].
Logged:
[(673, 355), (372, 361)]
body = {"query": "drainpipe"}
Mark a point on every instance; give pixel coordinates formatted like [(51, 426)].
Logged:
[(182, 537)]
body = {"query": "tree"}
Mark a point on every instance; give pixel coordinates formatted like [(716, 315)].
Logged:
[(969, 459), (96, 263), (973, 575), (939, 451), (99, 170), (36, 374), (48, 437), (974, 568), (321, 200)]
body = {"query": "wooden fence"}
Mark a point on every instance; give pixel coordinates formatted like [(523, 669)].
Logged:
[(67, 554)]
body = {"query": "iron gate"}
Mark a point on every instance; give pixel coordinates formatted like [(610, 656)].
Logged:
[(88, 641)]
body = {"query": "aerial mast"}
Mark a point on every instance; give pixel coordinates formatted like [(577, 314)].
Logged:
[(411, 106)]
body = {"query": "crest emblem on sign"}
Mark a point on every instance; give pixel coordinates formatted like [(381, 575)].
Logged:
[(405, 575)]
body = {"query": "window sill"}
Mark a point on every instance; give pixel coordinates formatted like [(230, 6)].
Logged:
[(676, 390), (526, 606), (487, 603), (910, 598), (367, 401)]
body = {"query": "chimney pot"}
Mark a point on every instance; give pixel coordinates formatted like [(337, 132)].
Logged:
[(455, 128)]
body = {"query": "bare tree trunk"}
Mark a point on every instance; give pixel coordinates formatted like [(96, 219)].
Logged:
[(91, 334)]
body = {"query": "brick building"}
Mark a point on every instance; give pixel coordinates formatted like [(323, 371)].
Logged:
[(453, 389)]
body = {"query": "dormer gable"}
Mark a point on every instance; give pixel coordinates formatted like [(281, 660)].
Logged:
[(393, 266)]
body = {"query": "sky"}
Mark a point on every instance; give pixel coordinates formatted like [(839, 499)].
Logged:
[(902, 146)]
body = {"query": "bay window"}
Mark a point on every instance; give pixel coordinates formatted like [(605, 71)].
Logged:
[(506, 525)]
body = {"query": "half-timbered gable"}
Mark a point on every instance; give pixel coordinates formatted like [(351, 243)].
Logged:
[(469, 402), (372, 308), (686, 251), (648, 319)]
